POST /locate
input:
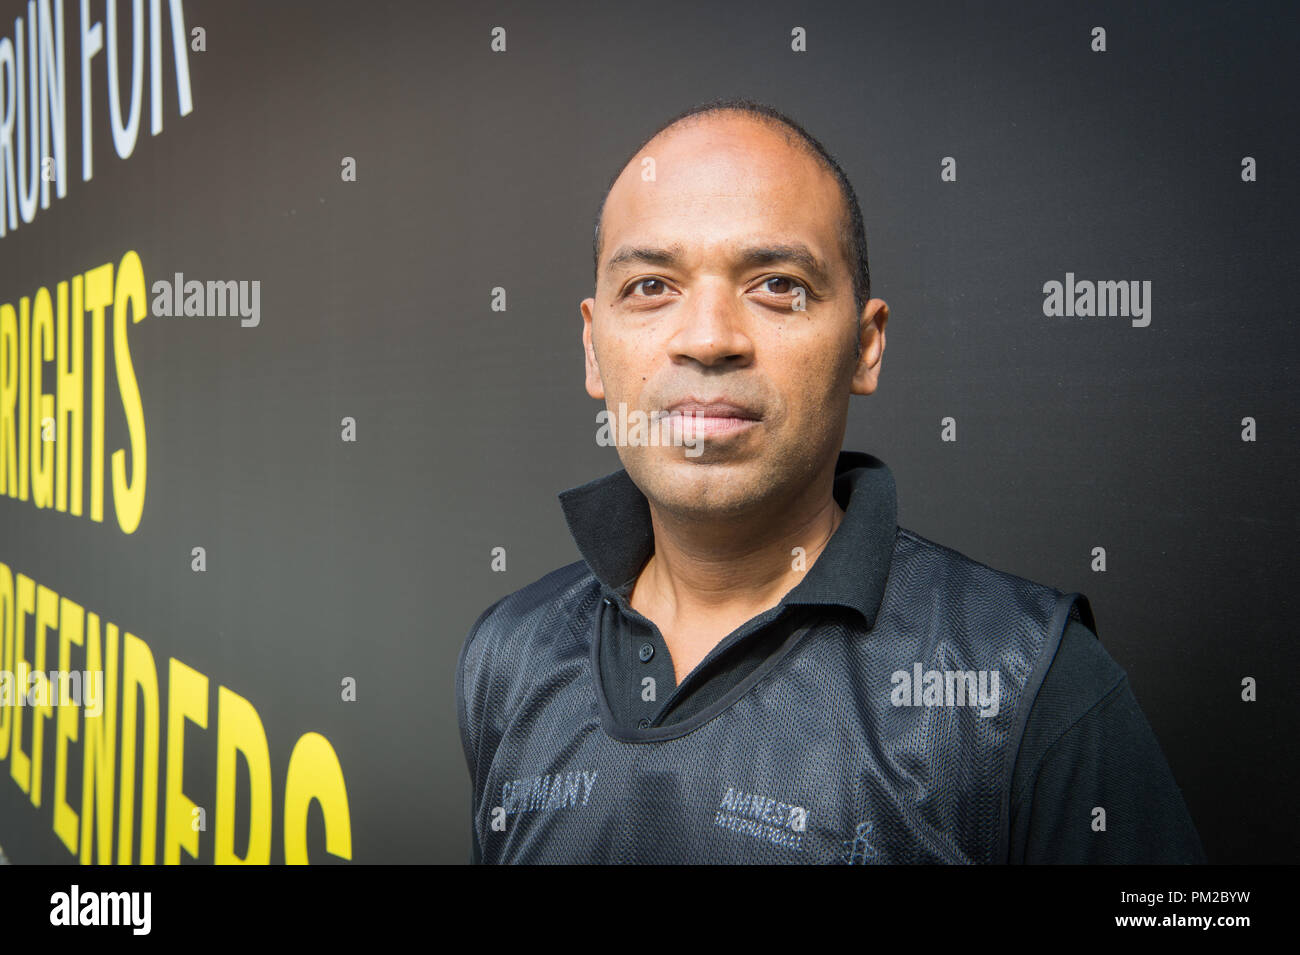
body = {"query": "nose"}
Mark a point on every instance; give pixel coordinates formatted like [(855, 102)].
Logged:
[(712, 328)]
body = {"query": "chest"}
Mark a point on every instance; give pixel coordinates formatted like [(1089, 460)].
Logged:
[(810, 764)]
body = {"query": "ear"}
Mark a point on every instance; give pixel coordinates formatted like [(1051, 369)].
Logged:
[(871, 337), (595, 387)]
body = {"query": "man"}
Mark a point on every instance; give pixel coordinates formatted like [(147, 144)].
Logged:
[(753, 662)]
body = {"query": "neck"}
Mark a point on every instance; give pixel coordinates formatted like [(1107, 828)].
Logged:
[(738, 567)]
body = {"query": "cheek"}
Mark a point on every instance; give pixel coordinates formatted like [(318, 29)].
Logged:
[(810, 373), (625, 369)]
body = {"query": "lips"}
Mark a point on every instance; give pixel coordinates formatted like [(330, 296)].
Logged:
[(714, 418), (717, 408)]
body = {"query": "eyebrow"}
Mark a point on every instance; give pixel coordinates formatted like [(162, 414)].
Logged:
[(793, 252)]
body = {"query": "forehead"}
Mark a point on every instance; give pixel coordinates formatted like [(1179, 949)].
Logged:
[(722, 181)]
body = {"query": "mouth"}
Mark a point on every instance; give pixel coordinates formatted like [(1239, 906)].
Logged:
[(711, 419)]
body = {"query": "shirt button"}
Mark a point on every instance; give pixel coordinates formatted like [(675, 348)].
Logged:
[(647, 651), (643, 723)]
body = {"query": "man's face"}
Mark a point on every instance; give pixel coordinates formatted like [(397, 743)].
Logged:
[(693, 311)]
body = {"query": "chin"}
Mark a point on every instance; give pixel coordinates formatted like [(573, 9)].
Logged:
[(700, 486)]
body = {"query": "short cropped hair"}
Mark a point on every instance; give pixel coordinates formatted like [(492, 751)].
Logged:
[(853, 237)]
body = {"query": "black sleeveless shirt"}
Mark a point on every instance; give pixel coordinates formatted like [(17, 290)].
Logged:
[(886, 733)]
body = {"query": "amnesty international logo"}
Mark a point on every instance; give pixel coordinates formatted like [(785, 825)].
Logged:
[(859, 850), (762, 817)]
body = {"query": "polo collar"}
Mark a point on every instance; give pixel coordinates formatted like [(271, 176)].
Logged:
[(609, 520)]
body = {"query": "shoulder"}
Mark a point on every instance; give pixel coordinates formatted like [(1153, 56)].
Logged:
[(1083, 677), (1081, 682), (948, 560), (1077, 665), (987, 600), (526, 612), (983, 588), (555, 593), (1088, 745), (1082, 672), (495, 660), (558, 588)]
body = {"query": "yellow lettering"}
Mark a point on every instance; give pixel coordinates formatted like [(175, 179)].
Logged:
[(99, 294), (239, 730), (20, 764), (24, 393), (97, 752), (72, 400), (42, 404), (47, 615), (128, 500), (8, 399), (72, 621), (187, 699), (315, 773), (139, 673), (7, 706)]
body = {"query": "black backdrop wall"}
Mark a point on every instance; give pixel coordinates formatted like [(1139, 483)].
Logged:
[(271, 561)]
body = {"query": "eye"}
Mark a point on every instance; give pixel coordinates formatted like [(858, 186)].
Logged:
[(790, 284), (659, 283)]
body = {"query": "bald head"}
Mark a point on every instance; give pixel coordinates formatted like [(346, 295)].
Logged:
[(728, 119)]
